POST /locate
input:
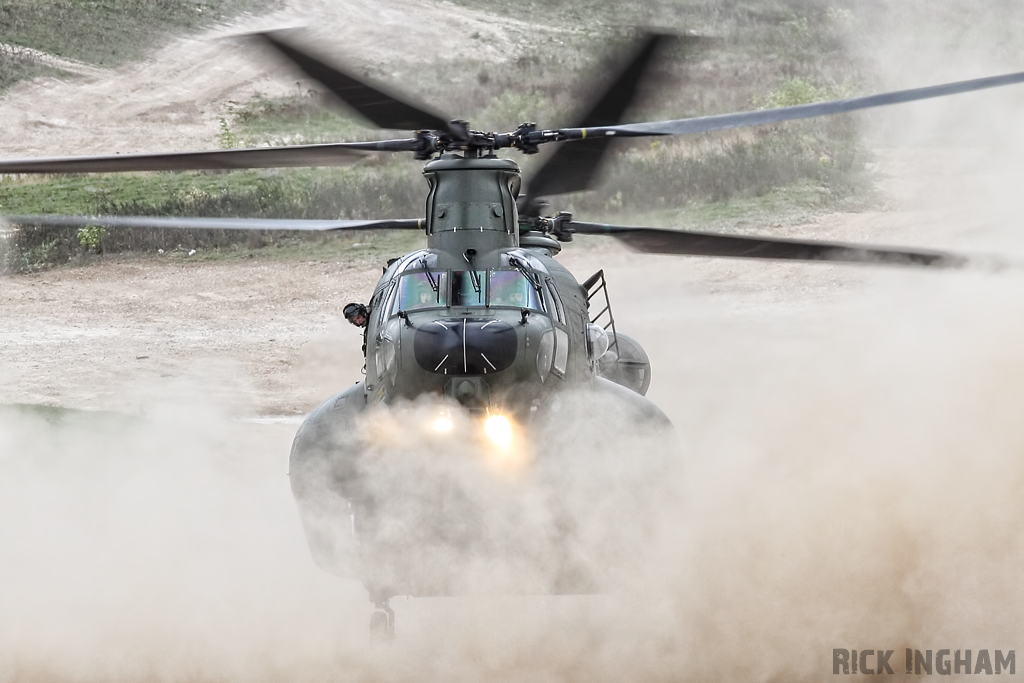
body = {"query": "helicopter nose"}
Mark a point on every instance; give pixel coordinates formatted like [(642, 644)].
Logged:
[(465, 346)]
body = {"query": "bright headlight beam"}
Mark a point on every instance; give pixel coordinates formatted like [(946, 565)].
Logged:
[(442, 424), (499, 430)]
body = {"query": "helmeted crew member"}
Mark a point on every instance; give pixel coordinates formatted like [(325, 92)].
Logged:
[(356, 314)]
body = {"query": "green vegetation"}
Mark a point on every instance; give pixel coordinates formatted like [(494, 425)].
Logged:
[(56, 416), (100, 32), (14, 69), (772, 54), (800, 202), (91, 236), (796, 91), (303, 118), (110, 32), (385, 189)]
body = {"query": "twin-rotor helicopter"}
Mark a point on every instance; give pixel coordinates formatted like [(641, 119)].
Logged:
[(483, 320)]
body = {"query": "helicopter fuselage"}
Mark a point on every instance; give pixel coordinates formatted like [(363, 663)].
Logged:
[(474, 316), (483, 320), (480, 316)]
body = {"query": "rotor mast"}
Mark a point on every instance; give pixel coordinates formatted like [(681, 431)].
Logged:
[(472, 203)]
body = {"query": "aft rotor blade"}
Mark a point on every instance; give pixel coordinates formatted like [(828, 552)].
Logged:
[(704, 124), (330, 154), (573, 168), (685, 242), (216, 223), (375, 103)]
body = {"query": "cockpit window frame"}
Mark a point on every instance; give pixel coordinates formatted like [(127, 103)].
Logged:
[(551, 292), (442, 290), (537, 296), (481, 280)]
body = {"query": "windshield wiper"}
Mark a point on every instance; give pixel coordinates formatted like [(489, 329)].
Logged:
[(532, 277), (434, 284)]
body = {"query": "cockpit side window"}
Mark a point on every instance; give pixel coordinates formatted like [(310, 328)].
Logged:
[(424, 289), (555, 301), (377, 298), (511, 288)]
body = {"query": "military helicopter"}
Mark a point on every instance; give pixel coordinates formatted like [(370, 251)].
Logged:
[(483, 319)]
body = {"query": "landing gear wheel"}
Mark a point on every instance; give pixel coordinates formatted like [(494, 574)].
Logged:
[(382, 623)]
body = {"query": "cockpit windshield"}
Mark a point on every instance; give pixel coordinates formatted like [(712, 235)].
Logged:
[(511, 288), (436, 288), (422, 290)]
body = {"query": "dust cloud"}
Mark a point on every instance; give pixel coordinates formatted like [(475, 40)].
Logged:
[(852, 481), (852, 464)]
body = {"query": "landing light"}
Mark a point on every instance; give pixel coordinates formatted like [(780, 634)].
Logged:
[(499, 430), (442, 424)]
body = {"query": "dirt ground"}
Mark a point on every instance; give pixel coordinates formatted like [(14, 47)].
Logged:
[(269, 331)]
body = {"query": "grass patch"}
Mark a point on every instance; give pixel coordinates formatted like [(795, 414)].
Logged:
[(102, 32), (385, 189), (800, 202), (649, 177), (13, 70), (715, 168), (778, 54), (357, 248), (110, 32), (302, 118), (56, 416)]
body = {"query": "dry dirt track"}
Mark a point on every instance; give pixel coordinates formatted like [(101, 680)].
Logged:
[(173, 101)]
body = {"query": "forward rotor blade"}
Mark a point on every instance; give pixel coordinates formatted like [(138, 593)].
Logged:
[(684, 242), (703, 124), (375, 103), (215, 223), (330, 154), (573, 168)]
